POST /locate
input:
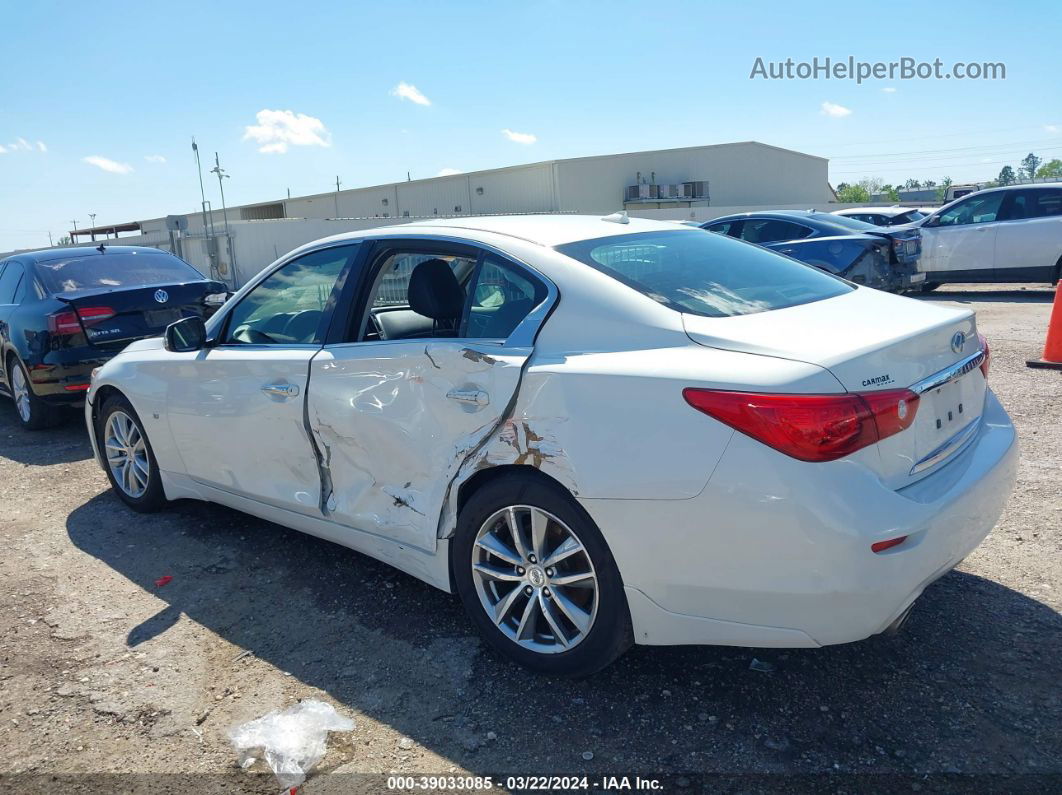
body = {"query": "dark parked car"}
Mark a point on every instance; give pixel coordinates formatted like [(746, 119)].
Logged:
[(66, 311), (860, 252)]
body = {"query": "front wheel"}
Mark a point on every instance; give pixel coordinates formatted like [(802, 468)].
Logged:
[(537, 578), (131, 465)]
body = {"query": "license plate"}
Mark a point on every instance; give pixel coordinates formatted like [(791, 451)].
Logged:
[(157, 318), (917, 278)]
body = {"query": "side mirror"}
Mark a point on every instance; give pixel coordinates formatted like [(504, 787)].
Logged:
[(186, 335), (931, 221)]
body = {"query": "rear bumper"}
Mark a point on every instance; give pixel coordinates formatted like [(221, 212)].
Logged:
[(62, 377), (775, 552)]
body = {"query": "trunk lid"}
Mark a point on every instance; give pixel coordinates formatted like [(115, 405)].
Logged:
[(112, 317), (873, 341)]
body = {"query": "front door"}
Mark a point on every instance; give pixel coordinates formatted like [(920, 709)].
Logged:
[(959, 244), (236, 410), (430, 368)]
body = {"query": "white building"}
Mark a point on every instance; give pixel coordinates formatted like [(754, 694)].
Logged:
[(673, 183)]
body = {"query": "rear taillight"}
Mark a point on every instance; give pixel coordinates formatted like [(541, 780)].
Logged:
[(988, 354), (67, 322), (811, 427)]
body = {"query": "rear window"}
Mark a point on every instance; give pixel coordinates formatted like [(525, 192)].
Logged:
[(121, 269), (710, 275), (844, 224)]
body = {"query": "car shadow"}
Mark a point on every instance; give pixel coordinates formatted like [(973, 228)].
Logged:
[(62, 444), (1030, 295), (975, 668)]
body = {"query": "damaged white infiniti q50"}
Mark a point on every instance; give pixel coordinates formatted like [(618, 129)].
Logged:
[(595, 431)]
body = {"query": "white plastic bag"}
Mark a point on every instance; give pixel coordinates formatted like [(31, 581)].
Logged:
[(291, 741)]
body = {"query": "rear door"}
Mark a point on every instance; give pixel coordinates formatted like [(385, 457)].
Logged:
[(236, 410), (398, 399), (1029, 236), (11, 276), (959, 243)]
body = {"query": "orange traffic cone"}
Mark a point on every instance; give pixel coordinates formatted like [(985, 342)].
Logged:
[(1052, 358)]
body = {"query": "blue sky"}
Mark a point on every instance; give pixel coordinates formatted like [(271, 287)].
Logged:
[(132, 83)]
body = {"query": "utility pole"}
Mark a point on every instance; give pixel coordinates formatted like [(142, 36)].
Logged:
[(217, 169), (207, 225), (92, 220), (73, 237), (337, 197), (50, 241)]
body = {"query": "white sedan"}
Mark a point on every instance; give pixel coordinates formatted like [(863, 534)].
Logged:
[(597, 431)]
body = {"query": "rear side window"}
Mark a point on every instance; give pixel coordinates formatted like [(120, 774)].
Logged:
[(710, 275), (120, 269), (1035, 203), (9, 282), (771, 230)]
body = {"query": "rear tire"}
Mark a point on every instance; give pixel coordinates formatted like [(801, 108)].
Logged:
[(556, 589), (128, 458), (33, 413)]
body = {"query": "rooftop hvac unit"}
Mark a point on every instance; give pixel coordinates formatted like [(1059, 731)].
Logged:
[(670, 191), (695, 190)]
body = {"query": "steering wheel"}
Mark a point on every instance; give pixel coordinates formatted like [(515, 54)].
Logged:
[(252, 336)]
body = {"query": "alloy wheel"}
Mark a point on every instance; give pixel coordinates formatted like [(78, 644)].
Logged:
[(21, 392), (126, 452), (535, 579)]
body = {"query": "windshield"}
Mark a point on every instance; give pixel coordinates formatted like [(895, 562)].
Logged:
[(704, 273), (124, 269)]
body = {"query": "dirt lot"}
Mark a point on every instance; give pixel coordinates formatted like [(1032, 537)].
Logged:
[(104, 672)]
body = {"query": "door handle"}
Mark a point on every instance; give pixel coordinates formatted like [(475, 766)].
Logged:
[(476, 397), (281, 390)]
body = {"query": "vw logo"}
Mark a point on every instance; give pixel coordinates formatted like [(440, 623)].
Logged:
[(162, 297), (958, 341)]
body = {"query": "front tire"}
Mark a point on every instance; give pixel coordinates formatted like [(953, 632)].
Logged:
[(537, 578), (129, 460), (32, 412)]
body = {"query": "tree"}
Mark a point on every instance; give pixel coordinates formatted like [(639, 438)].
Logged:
[(1052, 168), (64, 240), (929, 184), (912, 184), (942, 190), (842, 186), (891, 193), (1030, 163), (1006, 176), (852, 194)]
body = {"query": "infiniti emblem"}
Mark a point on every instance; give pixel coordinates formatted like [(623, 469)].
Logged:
[(162, 297), (958, 341)]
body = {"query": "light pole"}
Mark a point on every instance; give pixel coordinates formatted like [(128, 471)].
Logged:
[(217, 169), (92, 220), (207, 226)]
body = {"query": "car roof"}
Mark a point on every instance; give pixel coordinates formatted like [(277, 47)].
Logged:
[(72, 252), (877, 210), (545, 230)]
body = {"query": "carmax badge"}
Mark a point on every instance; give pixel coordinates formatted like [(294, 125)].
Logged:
[(162, 297)]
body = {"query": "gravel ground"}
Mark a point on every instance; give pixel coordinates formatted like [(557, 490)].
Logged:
[(103, 671)]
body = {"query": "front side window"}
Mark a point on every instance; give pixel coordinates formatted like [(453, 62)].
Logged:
[(771, 230), (724, 228), (978, 209), (708, 275), (288, 306), (120, 269)]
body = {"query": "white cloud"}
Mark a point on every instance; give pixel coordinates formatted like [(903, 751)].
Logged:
[(105, 163), (835, 111), (1052, 128), (449, 172), (278, 129), (155, 158), (2, 149), (41, 146), (409, 91), (22, 145), (519, 137), (889, 89)]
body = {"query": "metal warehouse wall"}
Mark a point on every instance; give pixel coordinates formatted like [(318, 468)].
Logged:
[(738, 174)]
